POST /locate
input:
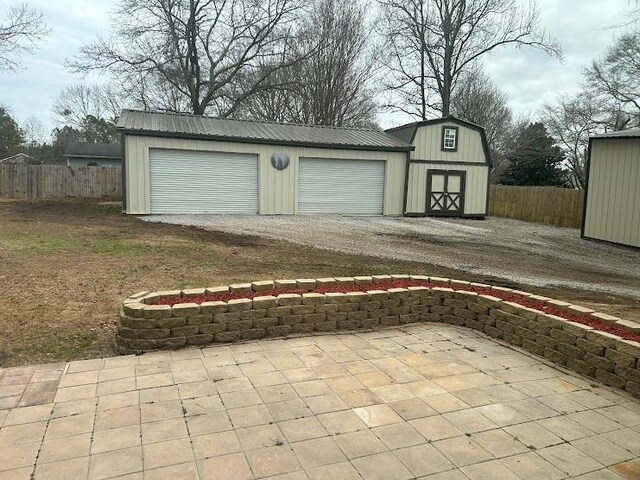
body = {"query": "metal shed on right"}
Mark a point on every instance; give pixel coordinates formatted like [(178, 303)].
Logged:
[(612, 198), (448, 171)]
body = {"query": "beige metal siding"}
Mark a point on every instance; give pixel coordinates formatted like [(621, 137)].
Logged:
[(475, 202), (613, 199), (137, 175), (278, 189), (428, 143)]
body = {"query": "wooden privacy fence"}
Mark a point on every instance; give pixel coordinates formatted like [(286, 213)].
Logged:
[(55, 181), (551, 205)]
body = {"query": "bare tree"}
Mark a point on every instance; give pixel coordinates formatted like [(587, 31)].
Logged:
[(332, 84), (150, 91), (34, 130), (433, 42), (478, 100), (76, 102), (20, 30), (194, 50), (279, 100), (634, 13), (336, 80), (617, 76), (571, 121)]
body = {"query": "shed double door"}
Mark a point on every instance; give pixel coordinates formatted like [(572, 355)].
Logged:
[(445, 192)]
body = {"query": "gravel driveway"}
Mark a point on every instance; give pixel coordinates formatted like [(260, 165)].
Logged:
[(526, 253)]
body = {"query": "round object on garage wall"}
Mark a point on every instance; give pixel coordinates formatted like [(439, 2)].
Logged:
[(280, 160)]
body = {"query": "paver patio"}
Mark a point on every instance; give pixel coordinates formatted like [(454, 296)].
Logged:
[(423, 401)]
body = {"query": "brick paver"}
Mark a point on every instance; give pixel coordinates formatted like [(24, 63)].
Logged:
[(423, 401)]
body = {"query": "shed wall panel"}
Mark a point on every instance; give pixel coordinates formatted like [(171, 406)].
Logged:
[(278, 188), (475, 202), (613, 199), (428, 143)]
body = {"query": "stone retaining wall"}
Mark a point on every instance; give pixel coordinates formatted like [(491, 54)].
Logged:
[(145, 326)]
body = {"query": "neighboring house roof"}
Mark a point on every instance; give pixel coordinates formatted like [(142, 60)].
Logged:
[(407, 133), (20, 158), (93, 150), (632, 133), (232, 130)]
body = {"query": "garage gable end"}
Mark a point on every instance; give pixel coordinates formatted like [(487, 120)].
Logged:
[(465, 142)]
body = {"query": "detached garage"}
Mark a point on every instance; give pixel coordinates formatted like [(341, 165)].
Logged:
[(194, 164), (612, 198)]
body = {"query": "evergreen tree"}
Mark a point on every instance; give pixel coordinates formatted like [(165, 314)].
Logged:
[(11, 135), (535, 159), (98, 130)]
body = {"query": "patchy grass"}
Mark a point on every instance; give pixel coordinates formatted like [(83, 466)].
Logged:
[(37, 244), (27, 243), (129, 248), (68, 347), (66, 265)]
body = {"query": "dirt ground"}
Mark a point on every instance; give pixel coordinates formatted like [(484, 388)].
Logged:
[(64, 266), (520, 252)]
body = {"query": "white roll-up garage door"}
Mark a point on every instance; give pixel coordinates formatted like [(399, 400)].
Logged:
[(341, 186), (183, 181)]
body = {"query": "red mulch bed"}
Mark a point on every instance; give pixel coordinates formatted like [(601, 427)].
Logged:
[(346, 288)]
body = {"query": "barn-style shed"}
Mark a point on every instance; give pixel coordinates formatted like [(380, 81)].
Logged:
[(612, 198), (448, 169)]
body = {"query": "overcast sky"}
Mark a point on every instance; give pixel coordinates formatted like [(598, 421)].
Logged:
[(530, 78)]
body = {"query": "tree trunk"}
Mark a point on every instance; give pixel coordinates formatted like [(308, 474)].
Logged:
[(446, 100), (198, 108)]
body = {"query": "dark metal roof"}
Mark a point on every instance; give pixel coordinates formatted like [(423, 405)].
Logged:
[(407, 133), (250, 131), (632, 133), (93, 150), (402, 130)]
